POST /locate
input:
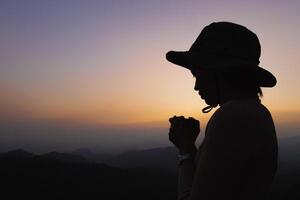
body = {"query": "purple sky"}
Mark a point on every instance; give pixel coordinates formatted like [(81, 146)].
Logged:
[(103, 62)]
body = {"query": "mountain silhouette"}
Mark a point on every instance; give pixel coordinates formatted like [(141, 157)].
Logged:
[(91, 156), (83, 174), (16, 154), (46, 177), (165, 158), (65, 157)]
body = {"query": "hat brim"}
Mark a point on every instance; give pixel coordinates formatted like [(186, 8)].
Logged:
[(211, 61)]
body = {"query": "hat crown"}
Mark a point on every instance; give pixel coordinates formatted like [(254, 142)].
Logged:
[(230, 40), (225, 45)]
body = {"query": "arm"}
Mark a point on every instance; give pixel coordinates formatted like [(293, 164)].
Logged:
[(185, 174)]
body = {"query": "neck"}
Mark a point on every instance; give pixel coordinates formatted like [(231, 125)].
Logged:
[(234, 96)]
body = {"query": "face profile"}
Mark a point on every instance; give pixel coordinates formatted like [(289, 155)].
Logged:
[(205, 85)]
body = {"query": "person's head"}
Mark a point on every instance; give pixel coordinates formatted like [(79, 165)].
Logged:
[(224, 59)]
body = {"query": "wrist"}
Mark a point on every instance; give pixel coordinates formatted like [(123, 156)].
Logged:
[(183, 157), (190, 150)]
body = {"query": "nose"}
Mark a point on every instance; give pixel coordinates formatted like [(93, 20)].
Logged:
[(196, 87)]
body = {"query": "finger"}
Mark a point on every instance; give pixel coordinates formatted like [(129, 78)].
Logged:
[(173, 140), (172, 119), (174, 131), (195, 122), (171, 137), (192, 119), (177, 119), (178, 123), (181, 117)]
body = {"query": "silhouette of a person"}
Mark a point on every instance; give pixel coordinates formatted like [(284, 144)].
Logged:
[(238, 157)]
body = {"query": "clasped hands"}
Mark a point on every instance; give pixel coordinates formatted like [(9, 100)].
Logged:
[(183, 133)]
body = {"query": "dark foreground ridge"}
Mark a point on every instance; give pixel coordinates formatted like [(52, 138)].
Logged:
[(79, 175), (56, 176)]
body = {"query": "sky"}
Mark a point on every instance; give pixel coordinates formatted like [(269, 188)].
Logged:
[(90, 66)]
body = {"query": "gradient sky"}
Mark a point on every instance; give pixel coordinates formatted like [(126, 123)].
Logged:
[(103, 62)]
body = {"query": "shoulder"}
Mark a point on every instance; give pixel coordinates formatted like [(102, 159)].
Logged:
[(240, 118), (239, 129), (243, 111)]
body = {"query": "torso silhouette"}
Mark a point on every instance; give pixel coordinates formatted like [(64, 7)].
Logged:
[(238, 157)]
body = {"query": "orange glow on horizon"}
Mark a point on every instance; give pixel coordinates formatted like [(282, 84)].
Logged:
[(113, 70)]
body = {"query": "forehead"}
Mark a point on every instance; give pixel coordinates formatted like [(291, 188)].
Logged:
[(203, 73), (194, 70)]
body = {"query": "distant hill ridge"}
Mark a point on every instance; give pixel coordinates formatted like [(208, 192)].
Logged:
[(82, 173), (21, 154)]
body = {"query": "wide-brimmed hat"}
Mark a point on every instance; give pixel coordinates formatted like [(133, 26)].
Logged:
[(225, 45)]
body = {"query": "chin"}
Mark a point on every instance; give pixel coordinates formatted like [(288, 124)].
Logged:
[(207, 101), (211, 102)]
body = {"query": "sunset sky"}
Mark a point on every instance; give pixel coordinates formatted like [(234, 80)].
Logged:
[(103, 63)]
